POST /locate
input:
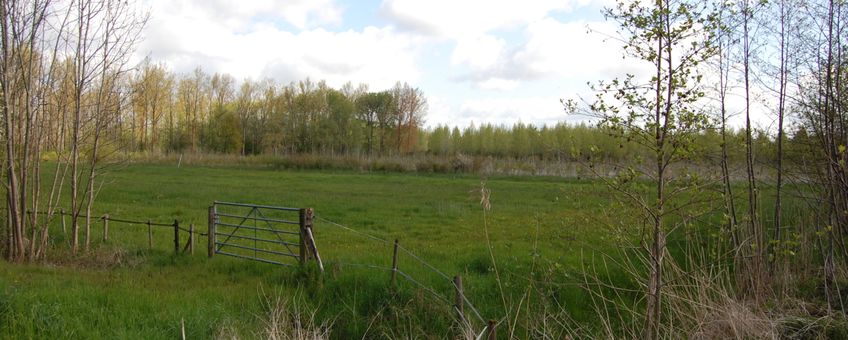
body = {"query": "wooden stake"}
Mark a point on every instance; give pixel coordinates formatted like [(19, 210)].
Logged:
[(310, 241), (210, 232), (393, 281), (182, 329), (191, 239), (149, 236), (302, 243), (491, 330), (105, 227), (176, 237), (64, 229), (457, 300)]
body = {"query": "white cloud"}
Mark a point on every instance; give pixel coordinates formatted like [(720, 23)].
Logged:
[(498, 84), (479, 52), (575, 51), (536, 110), (376, 56), (470, 18), (241, 14), (249, 42), (475, 27)]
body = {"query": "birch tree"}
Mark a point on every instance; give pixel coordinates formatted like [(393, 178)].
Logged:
[(662, 114)]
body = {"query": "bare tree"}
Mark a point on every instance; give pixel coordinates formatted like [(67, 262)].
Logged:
[(824, 115), (753, 244), (724, 45), (22, 25), (409, 108), (56, 56)]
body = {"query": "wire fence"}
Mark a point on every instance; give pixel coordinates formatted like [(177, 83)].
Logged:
[(406, 276), (441, 274), (108, 218)]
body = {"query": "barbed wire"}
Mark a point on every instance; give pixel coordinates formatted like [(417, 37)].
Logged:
[(371, 266), (62, 212), (366, 235), (408, 252), (403, 274), (411, 279), (196, 232), (155, 224)]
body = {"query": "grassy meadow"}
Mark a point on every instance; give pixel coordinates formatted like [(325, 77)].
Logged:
[(540, 230)]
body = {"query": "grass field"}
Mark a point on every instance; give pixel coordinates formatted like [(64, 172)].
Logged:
[(539, 229)]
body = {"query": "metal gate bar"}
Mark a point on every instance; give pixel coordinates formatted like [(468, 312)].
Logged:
[(254, 258), (261, 219), (256, 206), (259, 250), (237, 226), (263, 240), (236, 241)]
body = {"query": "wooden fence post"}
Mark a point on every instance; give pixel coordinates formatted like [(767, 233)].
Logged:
[(149, 236), (191, 239), (302, 243), (210, 232), (491, 330), (458, 300), (393, 281), (105, 227), (176, 237), (312, 249)]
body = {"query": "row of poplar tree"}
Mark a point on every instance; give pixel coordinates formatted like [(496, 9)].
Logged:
[(198, 112)]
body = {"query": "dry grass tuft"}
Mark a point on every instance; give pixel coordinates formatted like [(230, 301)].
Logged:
[(732, 319), (226, 331), (96, 258), (286, 321)]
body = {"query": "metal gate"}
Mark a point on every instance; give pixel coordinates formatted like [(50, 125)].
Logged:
[(275, 235)]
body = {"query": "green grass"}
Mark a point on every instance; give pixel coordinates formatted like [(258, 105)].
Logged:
[(124, 290)]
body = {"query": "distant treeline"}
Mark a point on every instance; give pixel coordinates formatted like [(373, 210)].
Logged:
[(570, 142), (199, 112)]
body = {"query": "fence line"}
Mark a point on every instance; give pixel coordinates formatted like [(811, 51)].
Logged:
[(176, 226), (190, 231), (403, 274), (412, 280), (105, 217)]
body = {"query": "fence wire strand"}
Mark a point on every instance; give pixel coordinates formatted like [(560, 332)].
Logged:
[(443, 275), (405, 275), (119, 220), (366, 235)]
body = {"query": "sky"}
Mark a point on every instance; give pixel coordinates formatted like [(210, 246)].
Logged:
[(477, 61)]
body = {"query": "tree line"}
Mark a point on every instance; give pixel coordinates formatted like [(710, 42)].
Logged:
[(571, 141), (198, 112)]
